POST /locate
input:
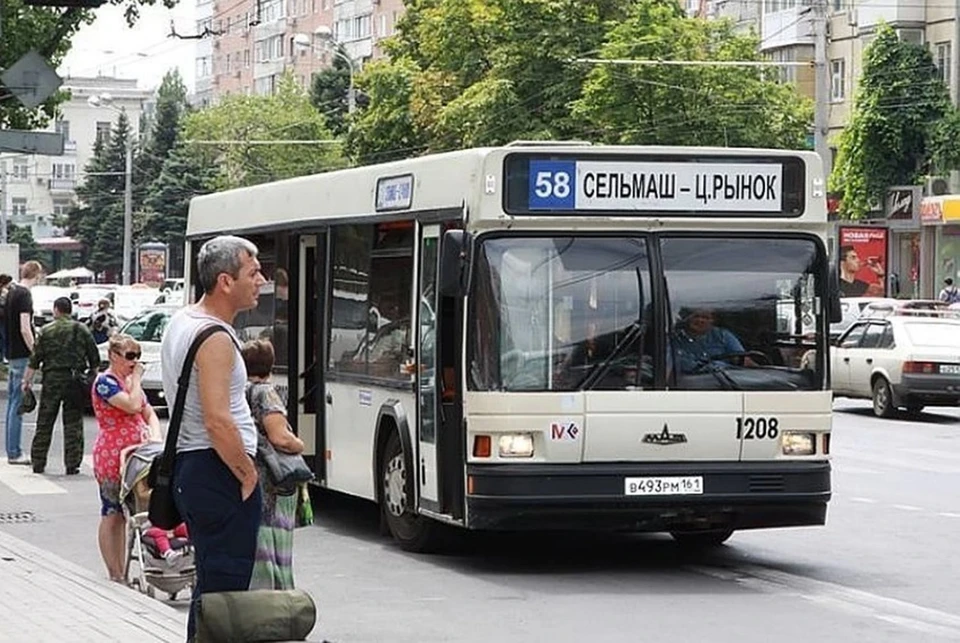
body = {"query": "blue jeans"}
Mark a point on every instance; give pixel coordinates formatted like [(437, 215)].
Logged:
[(223, 529), (14, 425)]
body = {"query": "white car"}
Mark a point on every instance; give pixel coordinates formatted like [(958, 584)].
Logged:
[(901, 358), (147, 328)]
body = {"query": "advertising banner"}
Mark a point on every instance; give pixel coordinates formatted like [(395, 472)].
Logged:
[(152, 264), (863, 262)]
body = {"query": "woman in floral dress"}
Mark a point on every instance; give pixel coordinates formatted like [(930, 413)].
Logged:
[(273, 568), (124, 419)]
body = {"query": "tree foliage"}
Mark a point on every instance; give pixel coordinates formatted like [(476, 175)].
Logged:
[(98, 219), (901, 123), (163, 130), (484, 72), (239, 121), (738, 106), (329, 93), (48, 30)]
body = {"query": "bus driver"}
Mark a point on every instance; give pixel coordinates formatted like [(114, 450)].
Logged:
[(697, 342)]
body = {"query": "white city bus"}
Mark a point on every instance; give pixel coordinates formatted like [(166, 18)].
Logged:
[(553, 335)]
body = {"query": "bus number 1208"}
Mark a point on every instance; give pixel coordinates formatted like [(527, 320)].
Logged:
[(757, 428)]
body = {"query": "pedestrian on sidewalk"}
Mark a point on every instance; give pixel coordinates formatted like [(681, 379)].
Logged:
[(19, 329), (64, 353), (124, 419), (215, 480), (103, 323), (274, 566), (950, 293), (5, 282)]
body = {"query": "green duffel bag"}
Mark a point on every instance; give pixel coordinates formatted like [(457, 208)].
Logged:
[(256, 616)]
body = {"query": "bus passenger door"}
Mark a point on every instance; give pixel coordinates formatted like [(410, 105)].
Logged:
[(306, 367), (427, 421)]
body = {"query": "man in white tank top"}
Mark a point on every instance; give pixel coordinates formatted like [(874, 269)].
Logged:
[(214, 477)]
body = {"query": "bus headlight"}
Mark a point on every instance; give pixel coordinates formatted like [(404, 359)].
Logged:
[(798, 443), (516, 445)]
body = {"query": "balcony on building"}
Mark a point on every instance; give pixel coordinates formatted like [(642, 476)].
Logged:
[(869, 13), (63, 185), (785, 23)]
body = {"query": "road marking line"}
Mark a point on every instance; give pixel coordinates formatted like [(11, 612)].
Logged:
[(866, 501), (907, 507), (948, 514), (891, 610), (25, 482)]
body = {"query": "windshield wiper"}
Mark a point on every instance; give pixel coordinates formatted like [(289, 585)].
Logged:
[(636, 329)]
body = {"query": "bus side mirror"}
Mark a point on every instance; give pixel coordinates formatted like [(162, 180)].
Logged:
[(456, 253), (834, 311)]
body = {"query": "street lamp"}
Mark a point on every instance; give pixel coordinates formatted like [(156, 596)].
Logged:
[(106, 100), (303, 41)]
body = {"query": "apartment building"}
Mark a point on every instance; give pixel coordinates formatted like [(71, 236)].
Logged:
[(40, 188), (250, 46)]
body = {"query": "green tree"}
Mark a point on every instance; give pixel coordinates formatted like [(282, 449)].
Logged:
[(897, 123), (98, 219), (240, 121), (477, 72), (164, 129), (329, 91), (48, 30), (484, 72), (736, 106), (29, 250), (183, 177)]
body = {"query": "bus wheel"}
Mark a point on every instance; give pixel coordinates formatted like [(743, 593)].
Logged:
[(414, 533), (701, 539)]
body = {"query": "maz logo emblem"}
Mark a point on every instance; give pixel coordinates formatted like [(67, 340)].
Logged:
[(664, 437)]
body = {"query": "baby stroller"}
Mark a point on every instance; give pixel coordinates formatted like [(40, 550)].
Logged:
[(153, 572)]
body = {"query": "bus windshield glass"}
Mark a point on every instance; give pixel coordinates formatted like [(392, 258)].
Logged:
[(550, 312), (573, 313), (742, 313)]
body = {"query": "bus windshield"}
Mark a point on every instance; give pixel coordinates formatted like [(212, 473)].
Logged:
[(549, 312), (577, 312)]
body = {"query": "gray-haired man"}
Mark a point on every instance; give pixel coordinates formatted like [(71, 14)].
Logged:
[(214, 478)]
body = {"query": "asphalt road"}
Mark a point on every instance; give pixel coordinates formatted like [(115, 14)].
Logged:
[(882, 569)]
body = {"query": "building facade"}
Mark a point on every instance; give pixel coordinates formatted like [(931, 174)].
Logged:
[(248, 49), (39, 189)]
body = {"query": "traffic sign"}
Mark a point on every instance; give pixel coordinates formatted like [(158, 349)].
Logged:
[(44, 143), (31, 79)]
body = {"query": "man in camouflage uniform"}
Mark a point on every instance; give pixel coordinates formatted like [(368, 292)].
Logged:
[(63, 349)]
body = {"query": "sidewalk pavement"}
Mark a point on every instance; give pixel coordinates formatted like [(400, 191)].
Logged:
[(46, 598)]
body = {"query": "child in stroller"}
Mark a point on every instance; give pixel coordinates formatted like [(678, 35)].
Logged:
[(165, 539), (163, 562)]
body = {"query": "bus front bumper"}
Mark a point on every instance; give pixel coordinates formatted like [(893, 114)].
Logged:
[(736, 495)]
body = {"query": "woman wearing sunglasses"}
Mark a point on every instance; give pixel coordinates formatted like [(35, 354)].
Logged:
[(124, 419)]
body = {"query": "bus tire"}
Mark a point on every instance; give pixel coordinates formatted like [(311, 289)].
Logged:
[(702, 539), (413, 532)]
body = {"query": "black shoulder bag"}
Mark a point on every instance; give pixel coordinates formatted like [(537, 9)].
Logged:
[(163, 510)]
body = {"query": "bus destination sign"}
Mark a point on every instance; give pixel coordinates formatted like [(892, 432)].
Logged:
[(733, 186)]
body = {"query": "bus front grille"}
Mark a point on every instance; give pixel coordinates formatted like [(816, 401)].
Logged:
[(766, 483)]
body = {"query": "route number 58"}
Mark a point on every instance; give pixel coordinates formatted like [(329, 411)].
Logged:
[(552, 184)]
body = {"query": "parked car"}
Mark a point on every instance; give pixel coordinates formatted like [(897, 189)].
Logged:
[(147, 328), (43, 298), (852, 308), (900, 356), (130, 301)]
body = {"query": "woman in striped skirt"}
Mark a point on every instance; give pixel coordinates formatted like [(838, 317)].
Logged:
[(273, 568)]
